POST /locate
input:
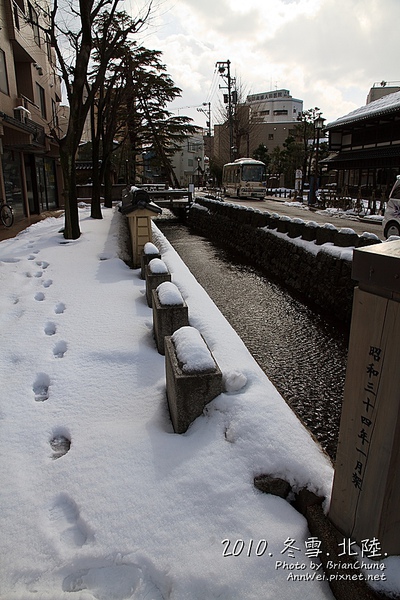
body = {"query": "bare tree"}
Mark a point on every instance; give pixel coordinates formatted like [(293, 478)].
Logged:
[(73, 33), (306, 131), (245, 122)]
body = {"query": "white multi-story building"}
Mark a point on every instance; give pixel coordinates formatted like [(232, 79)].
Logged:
[(188, 161), (276, 106)]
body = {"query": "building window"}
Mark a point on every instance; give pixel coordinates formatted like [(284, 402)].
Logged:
[(3, 73), (280, 112), (270, 136), (41, 100), (33, 18)]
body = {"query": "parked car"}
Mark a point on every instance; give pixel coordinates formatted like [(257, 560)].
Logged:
[(391, 220)]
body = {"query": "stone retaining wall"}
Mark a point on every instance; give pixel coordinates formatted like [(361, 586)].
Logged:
[(308, 258)]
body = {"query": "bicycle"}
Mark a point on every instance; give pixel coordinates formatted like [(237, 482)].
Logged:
[(6, 215)]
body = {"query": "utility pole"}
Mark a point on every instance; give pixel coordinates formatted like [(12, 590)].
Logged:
[(208, 115), (222, 66)]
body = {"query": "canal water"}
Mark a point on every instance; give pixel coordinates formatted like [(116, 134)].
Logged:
[(303, 353)]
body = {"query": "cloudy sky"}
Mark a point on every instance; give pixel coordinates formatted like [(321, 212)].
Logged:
[(328, 53)]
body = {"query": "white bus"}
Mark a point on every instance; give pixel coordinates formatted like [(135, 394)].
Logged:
[(244, 178)]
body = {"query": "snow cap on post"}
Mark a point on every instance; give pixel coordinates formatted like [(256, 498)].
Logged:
[(158, 266)]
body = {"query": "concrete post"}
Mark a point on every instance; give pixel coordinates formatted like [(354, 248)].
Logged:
[(144, 261), (154, 279), (167, 318), (366, 488), (188, 393)]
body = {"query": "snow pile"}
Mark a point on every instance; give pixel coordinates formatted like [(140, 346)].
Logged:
[(234, 381), (156, 265), (169, 294), (191, 351), (329, 226), (338, 252), (150, 248), (347, 230), (370, 236)]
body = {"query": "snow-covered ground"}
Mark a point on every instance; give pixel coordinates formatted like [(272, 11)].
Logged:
[(98, 497), (339, 212)]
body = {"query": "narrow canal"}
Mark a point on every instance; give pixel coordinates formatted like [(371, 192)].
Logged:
[(302, 353)]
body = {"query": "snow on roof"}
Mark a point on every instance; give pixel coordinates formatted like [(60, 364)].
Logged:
[(384, 105)]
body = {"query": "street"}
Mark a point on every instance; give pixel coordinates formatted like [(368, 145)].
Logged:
[(284, 206)]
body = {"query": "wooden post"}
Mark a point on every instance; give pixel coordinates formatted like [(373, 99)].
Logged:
[(366, 488), (140, 228)]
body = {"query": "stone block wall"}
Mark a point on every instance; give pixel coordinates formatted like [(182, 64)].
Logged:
[(314, 271)]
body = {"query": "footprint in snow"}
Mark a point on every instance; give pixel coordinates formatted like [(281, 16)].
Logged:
[(47, 283), (60, 349), (59, 308), (66, 519), (41, 387), (39, 296), (50, 328), (42, 263), (60, 443), (9, 259), (117, 581)]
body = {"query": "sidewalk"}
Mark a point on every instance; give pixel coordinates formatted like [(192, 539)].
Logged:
[(19, 225), (99, 497)]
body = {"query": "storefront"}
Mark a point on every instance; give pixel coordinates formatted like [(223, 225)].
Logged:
[(29, 170)]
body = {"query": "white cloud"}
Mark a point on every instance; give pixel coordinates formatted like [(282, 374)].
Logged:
[(326, 52)]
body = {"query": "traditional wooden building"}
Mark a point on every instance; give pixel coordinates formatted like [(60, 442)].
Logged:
[(365, 148)]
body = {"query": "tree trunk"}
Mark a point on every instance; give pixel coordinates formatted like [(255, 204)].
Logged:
[(108, 189), (96, 182), (67, 159), (96, 175)]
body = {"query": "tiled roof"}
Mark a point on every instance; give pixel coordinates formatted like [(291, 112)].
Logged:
[(385, 105), (370, 153)]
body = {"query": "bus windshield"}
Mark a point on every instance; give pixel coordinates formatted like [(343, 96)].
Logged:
[(253, 173)]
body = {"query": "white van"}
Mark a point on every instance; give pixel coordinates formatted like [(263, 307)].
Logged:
[(391, 220)]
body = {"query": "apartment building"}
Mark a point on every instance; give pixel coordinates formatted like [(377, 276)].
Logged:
[(188, 161), (276, 106), (30, 92)]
